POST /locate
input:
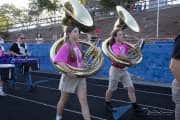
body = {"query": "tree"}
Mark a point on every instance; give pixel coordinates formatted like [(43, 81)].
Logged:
[(110, 4), (84, 2), (4, 23), (107, 4), (50, 5), (125, 3), (16, 15), (40, 5)]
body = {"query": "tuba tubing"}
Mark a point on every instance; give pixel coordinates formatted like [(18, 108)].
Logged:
[(93, 52), (134, 54), (134, 57), (92, 56)]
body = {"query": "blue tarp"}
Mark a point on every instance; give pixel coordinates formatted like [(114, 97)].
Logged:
[(154, 66)]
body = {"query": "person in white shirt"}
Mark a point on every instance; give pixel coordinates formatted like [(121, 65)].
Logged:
[(19, 48)]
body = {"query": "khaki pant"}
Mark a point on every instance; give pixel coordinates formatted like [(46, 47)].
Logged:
[(117, 75), (176, 98), (70, 85)]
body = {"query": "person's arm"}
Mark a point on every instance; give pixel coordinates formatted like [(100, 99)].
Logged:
[(171, 65), (120, 50), (175, 60), (61, 58), (175, 68), (13, 50), (116, 50), (26, 49), (14, 54)]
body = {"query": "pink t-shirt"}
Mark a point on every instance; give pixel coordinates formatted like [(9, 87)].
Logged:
[(120, 49), (63, 53)]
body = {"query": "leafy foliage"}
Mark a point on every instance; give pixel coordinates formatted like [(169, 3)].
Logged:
[(47, 4), (4, 23), (37, 6), (50, 5), (107, 4), (110, 4), (15, 15), (83, 1)]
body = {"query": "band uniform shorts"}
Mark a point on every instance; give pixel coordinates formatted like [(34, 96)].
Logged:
[(70, 85), (117, 75)]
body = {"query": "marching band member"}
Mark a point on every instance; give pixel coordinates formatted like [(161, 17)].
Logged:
[(118, 72), (70, 54), (175, 68), (19, 48)]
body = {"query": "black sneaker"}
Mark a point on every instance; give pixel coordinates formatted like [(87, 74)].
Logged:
[(109, 107), (139, 109)]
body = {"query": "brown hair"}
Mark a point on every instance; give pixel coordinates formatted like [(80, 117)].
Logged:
[(68, 29), (114, 34)]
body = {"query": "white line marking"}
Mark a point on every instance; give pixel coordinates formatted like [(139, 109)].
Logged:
[(136, 90), (143, 91), (51, 106), (130, 102), (99, 97)]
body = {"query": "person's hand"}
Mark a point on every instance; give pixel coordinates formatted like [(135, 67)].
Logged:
[(80, 76), (131, 63), (70, 75)]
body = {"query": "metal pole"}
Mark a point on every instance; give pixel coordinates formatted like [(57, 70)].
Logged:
[(157, 29)]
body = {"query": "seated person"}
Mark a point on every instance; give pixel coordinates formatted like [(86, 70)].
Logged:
[(19, 48)]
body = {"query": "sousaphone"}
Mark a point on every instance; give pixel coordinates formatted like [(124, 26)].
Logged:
[(77, 14), (134, 53)]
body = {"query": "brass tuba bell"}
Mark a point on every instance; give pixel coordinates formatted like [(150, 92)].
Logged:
[(134, 53), (77, 14)]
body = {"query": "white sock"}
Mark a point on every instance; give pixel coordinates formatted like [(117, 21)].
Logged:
[(58, 117)]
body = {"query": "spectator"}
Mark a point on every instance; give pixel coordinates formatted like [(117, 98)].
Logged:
[(175, 68), (19, 48)]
